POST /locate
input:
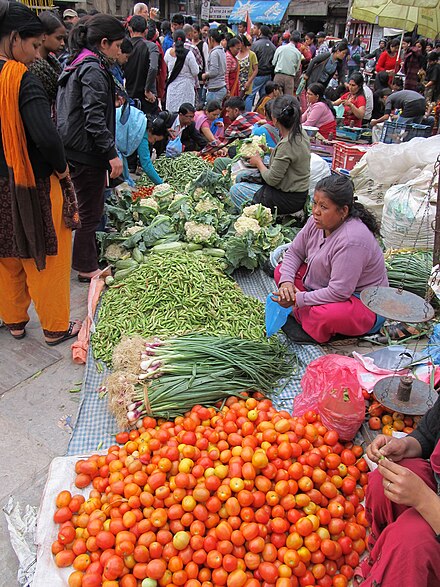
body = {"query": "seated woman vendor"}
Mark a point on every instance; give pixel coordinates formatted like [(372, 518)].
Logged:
[(354, 101), (403, 508), (320, 112), (284, 184), (331, 260), (208, 121)]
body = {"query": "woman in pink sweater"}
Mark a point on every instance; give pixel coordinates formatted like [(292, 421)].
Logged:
[(331, 260), (320, 112)]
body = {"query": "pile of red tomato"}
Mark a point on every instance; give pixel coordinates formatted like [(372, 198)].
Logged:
[(244, 497)]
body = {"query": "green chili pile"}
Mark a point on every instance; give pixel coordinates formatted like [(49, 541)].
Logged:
[(174, 295), (178, 171)]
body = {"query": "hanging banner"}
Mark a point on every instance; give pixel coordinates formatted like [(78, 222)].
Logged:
[(262, 11)]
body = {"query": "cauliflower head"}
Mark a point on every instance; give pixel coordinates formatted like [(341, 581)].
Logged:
[(244, 224), (207, 205), (150, 202), (254, 146), (133, 230), (261, 214), (163, 190), (200, 233), (114, 252)]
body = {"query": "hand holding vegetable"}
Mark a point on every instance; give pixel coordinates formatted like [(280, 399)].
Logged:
[(394, 449), (402, 486), (255, 161)]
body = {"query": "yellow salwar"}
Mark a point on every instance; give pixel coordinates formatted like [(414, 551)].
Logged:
[(49, 289)]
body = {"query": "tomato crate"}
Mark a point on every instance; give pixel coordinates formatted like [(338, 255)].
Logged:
[(346, 156)]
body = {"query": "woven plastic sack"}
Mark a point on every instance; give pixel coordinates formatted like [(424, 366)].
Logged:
[(331, 388)]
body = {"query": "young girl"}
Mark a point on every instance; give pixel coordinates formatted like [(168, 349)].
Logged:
[(86, 123)]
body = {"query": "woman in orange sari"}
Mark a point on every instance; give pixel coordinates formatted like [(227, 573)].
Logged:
[(37, 204)]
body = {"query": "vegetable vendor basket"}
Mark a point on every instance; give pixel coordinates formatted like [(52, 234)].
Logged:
[(346, 156)]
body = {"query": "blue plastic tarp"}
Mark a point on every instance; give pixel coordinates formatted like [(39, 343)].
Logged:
[(263, 11)]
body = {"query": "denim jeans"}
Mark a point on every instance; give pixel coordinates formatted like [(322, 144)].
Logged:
[(218, 95), (249, 102), (258, 86)]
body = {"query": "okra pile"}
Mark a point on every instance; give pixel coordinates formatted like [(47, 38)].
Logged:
[(173, 295)]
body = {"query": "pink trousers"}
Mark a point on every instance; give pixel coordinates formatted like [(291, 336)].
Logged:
[(350, 318), (403, 548)]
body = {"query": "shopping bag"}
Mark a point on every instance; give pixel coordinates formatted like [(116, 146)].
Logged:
[(174, 148), (276, 316), (330, 387)]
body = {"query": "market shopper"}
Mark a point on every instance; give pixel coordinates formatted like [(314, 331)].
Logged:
[(432, 79), (330, 261), (134, 134), (37, 216), (411, 105), (215, 76), (355, 55), (182, 74), (324, 66), (248, 70), (264, 49), (47, 67), (403, 508), (354, 101), (389, 60), (320, 112), (271, 91), (285, 183), (287, 64), (86, 123), (142, 68), (232, 67), (412, 64), (208, 121)]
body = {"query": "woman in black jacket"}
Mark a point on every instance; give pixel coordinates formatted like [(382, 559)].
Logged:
[(322, 68), (86, 123)]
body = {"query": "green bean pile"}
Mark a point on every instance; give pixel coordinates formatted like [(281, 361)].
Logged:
[(173, 295), (178, 172), (413, 267)]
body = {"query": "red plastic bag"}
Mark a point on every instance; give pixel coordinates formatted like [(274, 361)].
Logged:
[(331, 388)]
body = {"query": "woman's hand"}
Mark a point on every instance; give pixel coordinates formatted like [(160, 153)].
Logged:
[(205, 77), (401, 485), (386, 446), (63, 174), (116, 167), (255, 161), (286, 295)]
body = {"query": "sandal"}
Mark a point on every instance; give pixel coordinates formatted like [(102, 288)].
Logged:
[(398, 331), (68, 334), (18, 336)]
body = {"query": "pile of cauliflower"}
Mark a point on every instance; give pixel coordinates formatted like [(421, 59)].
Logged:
[(150, 203)]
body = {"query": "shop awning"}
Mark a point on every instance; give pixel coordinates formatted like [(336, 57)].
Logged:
[(264, 11)]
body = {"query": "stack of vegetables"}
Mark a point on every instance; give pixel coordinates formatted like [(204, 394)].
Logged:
[(409, 267), (173, 295), (166, 378), (382, 419), (178, 171), (239, 495)]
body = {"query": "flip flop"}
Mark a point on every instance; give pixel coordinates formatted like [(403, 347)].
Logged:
[(18, 336), (398, 331), (68, 334)]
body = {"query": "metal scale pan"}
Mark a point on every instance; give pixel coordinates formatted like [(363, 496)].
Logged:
[(397, 304)]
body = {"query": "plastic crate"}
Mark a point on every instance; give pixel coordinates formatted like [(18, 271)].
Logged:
[(345, 132), (402, 132), (346, 156), (393, 132)]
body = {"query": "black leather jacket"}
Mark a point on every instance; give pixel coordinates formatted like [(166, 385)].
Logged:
[(86, 112)]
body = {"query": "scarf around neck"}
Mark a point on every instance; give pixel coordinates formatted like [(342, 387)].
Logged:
[(27, 218)]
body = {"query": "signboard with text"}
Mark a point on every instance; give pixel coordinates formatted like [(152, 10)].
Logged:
[(220, 12), (263, 11)]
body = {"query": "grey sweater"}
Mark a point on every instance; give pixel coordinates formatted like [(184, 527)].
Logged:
[(216, 69)]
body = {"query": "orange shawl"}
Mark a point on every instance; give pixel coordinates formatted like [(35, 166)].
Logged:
[(27, 217)]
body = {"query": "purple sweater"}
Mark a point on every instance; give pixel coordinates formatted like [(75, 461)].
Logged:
[(344, 263)]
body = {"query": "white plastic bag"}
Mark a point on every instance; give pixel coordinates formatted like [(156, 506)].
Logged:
[(408, 214), (319, 169)]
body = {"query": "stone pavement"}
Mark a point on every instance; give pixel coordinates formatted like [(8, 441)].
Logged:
[(35, 384)]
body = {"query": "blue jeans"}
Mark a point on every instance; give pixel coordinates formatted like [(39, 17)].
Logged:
[(218, 95), (415, 119), (258, 86), (249, 102)]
